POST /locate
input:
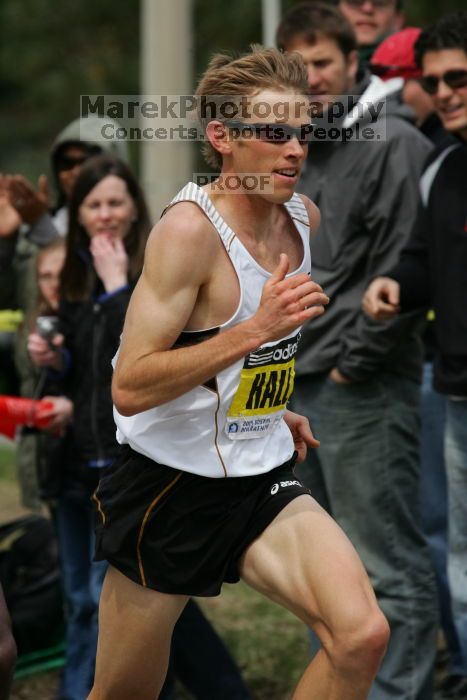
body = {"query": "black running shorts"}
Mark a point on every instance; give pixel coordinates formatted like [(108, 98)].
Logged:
[(181, 533)]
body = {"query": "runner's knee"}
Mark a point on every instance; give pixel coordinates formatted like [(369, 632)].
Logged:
[(359, 643)]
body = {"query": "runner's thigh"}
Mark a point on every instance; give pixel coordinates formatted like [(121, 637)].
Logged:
[(135, 629), (306, 563)]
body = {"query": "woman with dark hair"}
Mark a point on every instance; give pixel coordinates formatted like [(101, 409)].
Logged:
[(107, 206), (108, 227)]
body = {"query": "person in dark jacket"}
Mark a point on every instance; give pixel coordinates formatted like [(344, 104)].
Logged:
[(109, 224), (108, 227), (432, 271), (358, 383), (29, 221), (394, 59)]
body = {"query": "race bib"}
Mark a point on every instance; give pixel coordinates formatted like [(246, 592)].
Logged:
[(266, 384)]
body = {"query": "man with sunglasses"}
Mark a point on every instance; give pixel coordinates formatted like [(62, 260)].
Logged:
[(358, 383), (432, 271), (372, 20), (395, 59), (204, 491)]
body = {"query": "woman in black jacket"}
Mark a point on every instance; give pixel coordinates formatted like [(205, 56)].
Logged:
[(108, 228)]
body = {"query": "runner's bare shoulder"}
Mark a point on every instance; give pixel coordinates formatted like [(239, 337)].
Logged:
[(184, 239)]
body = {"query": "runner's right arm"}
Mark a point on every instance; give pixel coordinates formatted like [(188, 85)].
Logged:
[(179, 256)]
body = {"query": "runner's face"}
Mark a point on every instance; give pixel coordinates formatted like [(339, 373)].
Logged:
[(49, 267), (330, 73), (281, 162), (449, 103), (108, 209), (370, 22)]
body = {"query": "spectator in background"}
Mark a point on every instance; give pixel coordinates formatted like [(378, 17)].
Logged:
[(372, 21), (7, 650), (356, 382), (9, 320), (432, 271), (49, 263), (109, 224), (9, 222), (108, 227), (28, 222), (75, 144), (394, 59)]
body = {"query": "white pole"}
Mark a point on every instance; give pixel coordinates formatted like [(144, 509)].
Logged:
[(271, 16), (166, 69)]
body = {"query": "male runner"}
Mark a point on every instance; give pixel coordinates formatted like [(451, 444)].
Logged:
[(205, 491)]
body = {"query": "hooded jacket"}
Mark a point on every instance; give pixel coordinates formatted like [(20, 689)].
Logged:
[(17, 252), (87, 131), (367, 191)]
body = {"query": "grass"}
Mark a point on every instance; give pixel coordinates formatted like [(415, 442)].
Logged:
[(268, 643), (10, 507), (7, 460)]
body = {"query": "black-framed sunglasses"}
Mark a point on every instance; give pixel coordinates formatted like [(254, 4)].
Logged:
[(69, 162), (272, 133), (454, 78)]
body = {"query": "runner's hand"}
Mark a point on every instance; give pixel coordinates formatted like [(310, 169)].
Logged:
[(287, 302), (302, 435)]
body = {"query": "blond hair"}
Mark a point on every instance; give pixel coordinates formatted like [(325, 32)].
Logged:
[(247, 75)]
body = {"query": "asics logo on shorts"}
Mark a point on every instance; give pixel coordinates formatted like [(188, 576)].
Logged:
[(283, 485)]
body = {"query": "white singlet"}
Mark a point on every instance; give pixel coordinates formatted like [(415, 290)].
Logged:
[(233, 424)]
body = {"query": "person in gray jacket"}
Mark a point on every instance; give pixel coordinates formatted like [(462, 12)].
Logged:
[(357, 382)]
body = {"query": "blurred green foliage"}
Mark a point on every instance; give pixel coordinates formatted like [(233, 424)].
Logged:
[(52, 52)]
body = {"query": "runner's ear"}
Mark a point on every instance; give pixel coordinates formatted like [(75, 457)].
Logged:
[(217, 134)]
